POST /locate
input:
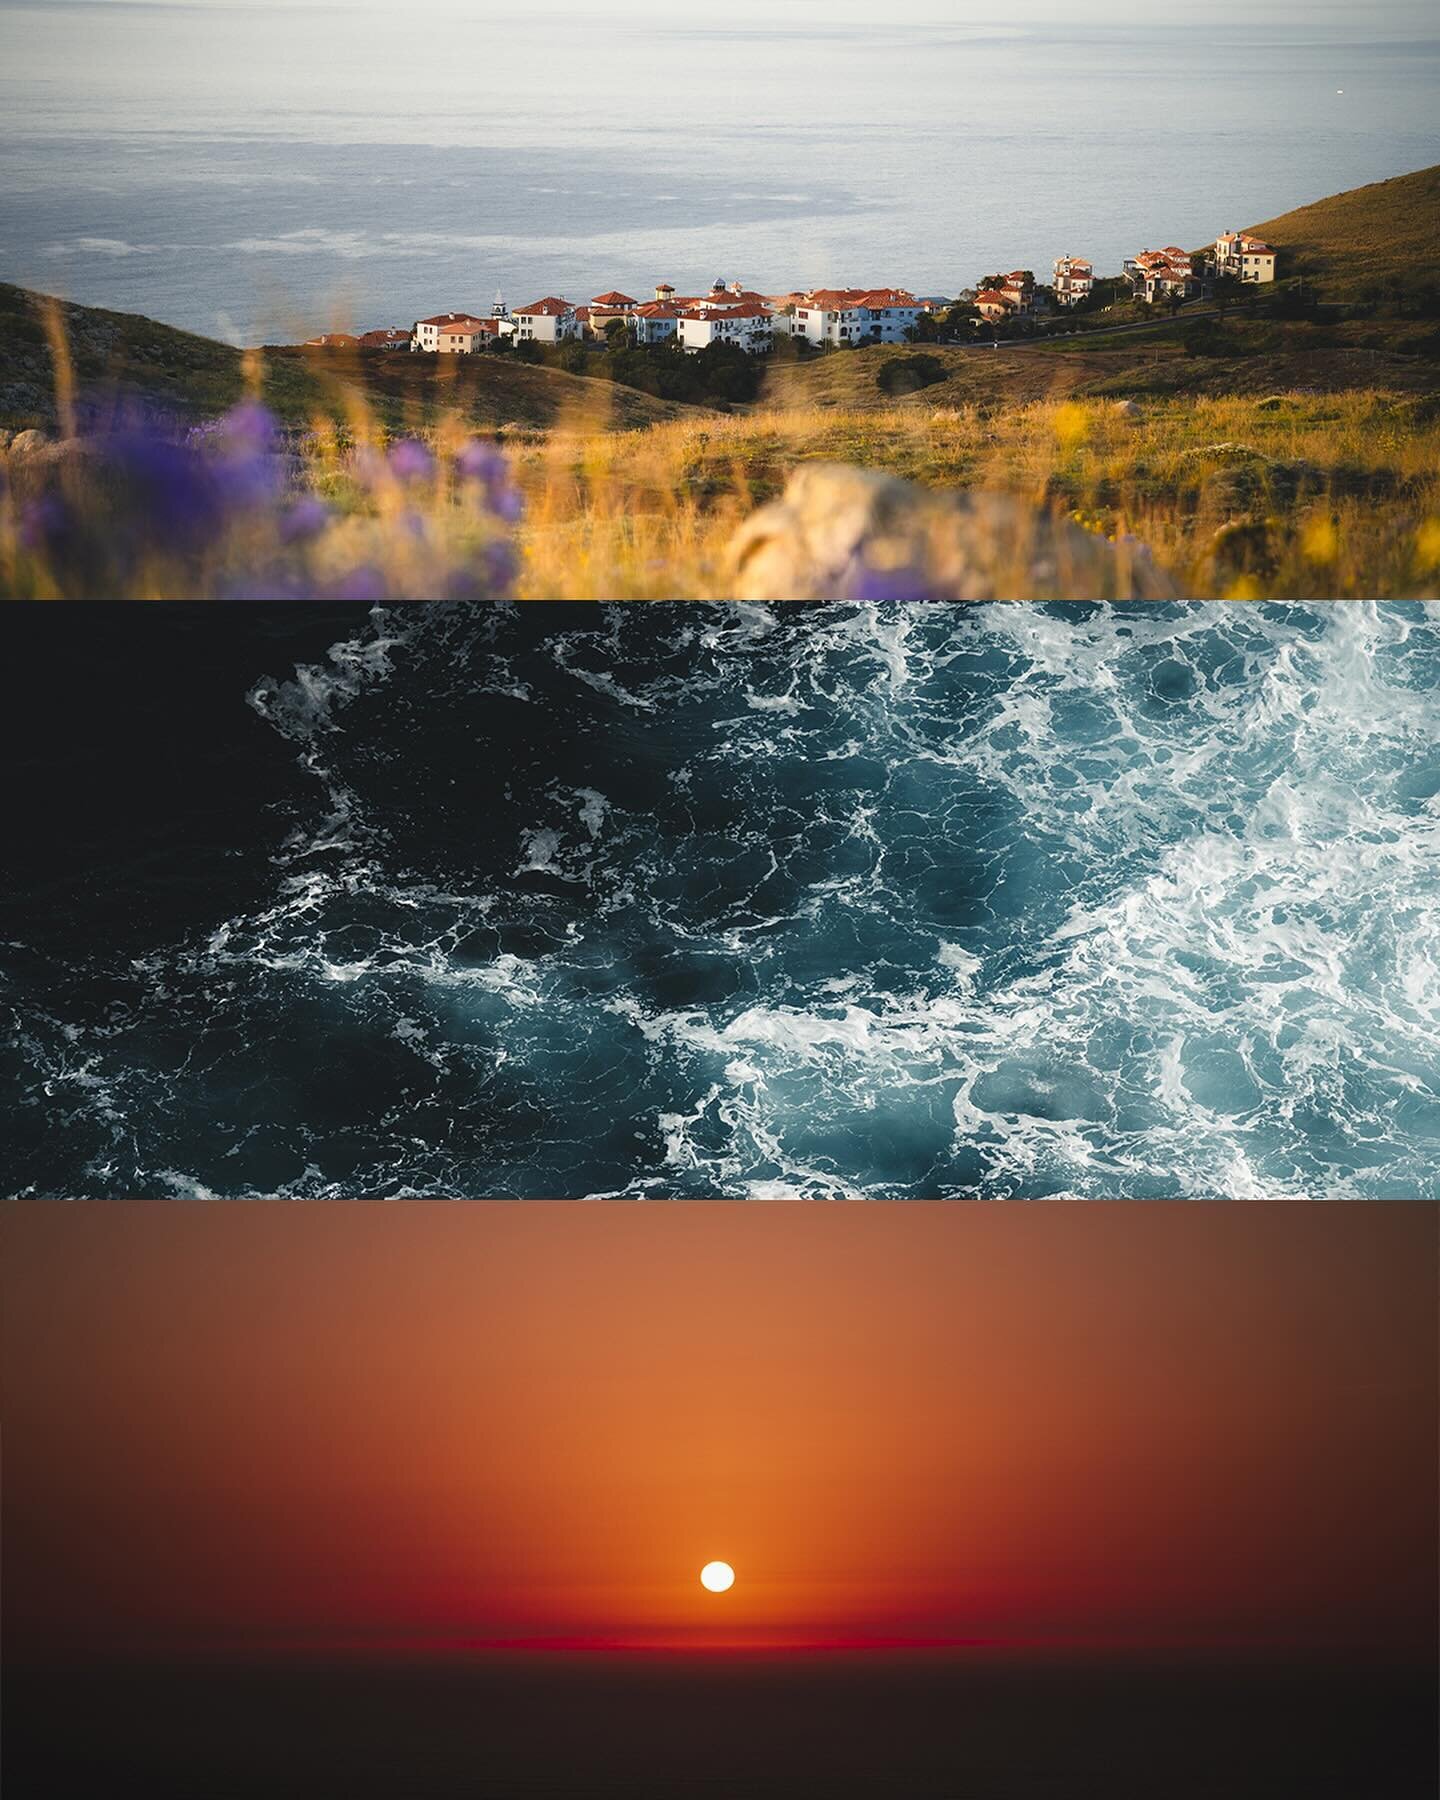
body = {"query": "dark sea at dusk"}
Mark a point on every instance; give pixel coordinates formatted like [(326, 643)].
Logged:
[(687, 901), (835, 1726), (261, 172)]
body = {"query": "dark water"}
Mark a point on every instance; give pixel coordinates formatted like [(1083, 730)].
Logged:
[(809, 1729), (739, 901)]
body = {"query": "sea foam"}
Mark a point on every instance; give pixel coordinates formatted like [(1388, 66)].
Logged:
[(897, 902)]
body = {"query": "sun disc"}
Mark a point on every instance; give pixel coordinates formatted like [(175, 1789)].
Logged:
[(717, 1576)]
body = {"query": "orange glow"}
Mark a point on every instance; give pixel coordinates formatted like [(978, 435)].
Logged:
[(356, 1425)]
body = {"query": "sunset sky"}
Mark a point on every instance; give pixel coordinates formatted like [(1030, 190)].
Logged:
[(247, 1428)]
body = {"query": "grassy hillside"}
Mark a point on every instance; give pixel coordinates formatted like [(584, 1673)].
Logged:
[(1248, 356), (124, 354), (1366, 239)]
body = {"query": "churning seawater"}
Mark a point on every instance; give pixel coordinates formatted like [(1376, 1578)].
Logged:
[(1009, 900)]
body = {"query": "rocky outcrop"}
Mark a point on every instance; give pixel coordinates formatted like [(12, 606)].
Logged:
[(841, 533)]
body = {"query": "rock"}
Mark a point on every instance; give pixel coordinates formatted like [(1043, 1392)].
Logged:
[(26, 443), (1223, 453), (842, 533), (1127, 409), (1246, 490)]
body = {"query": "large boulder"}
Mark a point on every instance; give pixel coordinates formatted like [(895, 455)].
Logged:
[(840, 533), (27, 443)]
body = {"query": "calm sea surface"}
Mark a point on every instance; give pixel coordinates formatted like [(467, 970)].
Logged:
[(256, 172), (635, 1727)]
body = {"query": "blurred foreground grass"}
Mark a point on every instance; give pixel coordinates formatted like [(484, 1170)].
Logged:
[(1286, 495)]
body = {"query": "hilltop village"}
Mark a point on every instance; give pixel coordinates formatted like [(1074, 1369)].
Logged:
[(737, 317)]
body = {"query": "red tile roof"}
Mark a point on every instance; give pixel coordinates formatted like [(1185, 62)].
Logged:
[(720, 313), (548, 308), (612, 299), (846, 299)]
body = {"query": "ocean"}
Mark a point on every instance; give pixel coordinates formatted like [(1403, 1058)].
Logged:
[(259, 173), (832, 1726), (1017, 901)]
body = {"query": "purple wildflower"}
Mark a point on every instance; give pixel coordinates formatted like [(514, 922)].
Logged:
[(501, 568), (904, 583), (464, 584), (480, 460), (507, 504), (411, 461), (249, 428), (248, 467), (171, 498), (364, 583), (43, 522), (305, 520)]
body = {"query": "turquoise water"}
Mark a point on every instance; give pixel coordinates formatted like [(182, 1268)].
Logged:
[(1133, 901)]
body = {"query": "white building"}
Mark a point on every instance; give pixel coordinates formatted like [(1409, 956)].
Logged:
[(463, 337), (747, 324), (426, 333), (655, 322), (609, 309), (1156, 274), (995, 304), (1246, 258), (1074, 279), (547, 321), (855, 316)]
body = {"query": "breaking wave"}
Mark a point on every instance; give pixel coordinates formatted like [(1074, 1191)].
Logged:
[(878, 901)]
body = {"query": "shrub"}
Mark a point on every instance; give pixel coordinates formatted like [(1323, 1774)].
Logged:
[(908, 374)]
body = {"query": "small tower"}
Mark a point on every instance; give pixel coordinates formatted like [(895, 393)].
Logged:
[(664, 291), (499, 310)]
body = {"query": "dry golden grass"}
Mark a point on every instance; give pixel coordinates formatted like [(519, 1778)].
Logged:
[(1292, 496)]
